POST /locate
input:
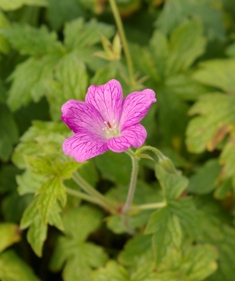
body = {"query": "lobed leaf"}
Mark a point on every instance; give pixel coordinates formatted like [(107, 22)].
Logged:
[(112, 271), (6, 5), (10, 234), (28, 80), (175, 12), (173, 185), (89, 33), (205, 177), (13, 268), (217, 73), (32, 41), (72, 252), (216, 115)]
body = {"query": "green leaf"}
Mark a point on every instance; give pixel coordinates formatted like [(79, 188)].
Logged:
[(72, 250), (50, 192), (28, 80), (204, 180), (216, 231), (68, 10), (217, 73), (120, 169), (7, 178), (32, 41), (112, 271), (69, 82), (227, 159), (10, 234), (13, 268), (4, 46), (137, 251), (202, 259), (187, 214), (165, 58), (217, 112), (37, 232), (89, 33), (173, 185), (185, 45), (166, 230), (175, 12), (16, 4), (8, 132), (42, 139)]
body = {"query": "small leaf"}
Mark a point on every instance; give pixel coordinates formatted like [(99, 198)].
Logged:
[(10, 234), (173, 185), (89, 33)]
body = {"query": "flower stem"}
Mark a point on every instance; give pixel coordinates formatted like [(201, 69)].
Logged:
[(131, 191), (148, 206), (83, 196), (124, 41), (98, 197), (150, 148)]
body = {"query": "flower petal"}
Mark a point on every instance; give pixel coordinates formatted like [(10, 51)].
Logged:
[(107, 99), (131, 136), (83, 146), (135, 106), (79, 115)]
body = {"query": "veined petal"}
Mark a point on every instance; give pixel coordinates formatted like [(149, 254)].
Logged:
[(131, 136), (107, 99), (83, 146), (79, 115), (135, 106)]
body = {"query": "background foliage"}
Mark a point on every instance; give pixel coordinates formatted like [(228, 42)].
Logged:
[(51, 51)]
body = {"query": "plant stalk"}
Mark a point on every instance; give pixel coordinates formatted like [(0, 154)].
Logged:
[(124, 42), (94, 193)]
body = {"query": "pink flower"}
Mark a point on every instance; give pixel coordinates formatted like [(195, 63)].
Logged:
[(105, 121)]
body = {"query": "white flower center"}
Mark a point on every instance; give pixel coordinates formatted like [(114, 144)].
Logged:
[(111, 129)]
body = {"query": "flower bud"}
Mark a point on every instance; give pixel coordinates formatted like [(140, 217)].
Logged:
[(167, 165)]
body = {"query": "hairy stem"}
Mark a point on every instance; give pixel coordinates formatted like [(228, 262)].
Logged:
[(131, 191), (124, 41), (94, 193), (84, 196), (148, 206)]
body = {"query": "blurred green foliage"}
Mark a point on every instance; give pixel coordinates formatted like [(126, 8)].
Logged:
[(51, 51)]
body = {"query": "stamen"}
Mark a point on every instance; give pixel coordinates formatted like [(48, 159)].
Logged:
[(111, 129)]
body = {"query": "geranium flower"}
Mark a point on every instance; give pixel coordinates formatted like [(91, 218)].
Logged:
[(105, 121)]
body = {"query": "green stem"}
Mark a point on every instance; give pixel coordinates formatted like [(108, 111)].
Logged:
[(150, 148), (131, 191), (84, 196), (90, 190), (124, 41), (148, 206)]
